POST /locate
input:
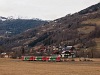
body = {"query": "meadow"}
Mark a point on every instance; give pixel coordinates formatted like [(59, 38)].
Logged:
[(19, 67)]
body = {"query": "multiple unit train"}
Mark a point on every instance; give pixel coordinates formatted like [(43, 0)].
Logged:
[(41, 58)]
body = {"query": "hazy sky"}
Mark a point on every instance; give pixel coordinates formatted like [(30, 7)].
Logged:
[(43, 9)]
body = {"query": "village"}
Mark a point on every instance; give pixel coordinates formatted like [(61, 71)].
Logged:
[(48, 53)]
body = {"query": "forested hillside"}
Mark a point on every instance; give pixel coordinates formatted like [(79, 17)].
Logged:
[(81, 30), (10, 26)]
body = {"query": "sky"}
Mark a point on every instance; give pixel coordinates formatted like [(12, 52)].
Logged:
[(43, 9)]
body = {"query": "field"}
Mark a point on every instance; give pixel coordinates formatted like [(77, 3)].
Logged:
[(18, 67), (97, 40), (88, 29), (92, 21)]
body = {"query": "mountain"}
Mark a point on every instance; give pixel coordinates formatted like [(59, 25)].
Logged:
[(81, 30), (10, 26), (90, 9), (72, 29), (2, 18)]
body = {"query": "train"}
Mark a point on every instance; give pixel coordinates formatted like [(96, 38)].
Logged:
[(41, 58)]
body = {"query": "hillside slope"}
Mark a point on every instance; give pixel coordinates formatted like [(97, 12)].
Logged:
[(73, 29), (10, 26)]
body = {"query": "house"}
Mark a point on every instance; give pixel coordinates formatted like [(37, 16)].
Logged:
[(68, 52), (4, 55)]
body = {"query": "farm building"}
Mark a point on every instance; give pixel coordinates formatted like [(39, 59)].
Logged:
[(4, 55), (68, 52)]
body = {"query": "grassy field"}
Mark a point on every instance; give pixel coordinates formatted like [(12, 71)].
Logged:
[(92, 21), (86, 29), (97, 40), (90, 28), (18, 67)]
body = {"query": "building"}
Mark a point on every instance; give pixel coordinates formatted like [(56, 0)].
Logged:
[(68, 52)]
